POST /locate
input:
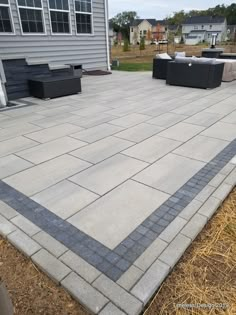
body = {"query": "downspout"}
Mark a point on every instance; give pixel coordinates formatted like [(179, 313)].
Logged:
[(3, 95), (107, 34)]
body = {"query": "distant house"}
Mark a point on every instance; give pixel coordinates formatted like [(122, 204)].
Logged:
[(150, 29), (198, 29)]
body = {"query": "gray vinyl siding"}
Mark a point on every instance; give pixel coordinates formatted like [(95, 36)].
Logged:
[(89, 50)]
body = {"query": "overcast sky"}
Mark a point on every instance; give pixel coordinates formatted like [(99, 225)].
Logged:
[(159, 9)]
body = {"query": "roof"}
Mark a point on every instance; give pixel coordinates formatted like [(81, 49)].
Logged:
[(205, 20), (153, 22), (198, 31)]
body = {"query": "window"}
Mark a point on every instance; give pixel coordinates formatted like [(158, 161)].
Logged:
[(202, 27), (83, 12), (31, 16), (5, 17), (195, 27), (210, 27), (132, 30), (144, 32), (59, 15)]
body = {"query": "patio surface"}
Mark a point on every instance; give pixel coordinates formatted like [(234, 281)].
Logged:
[(107, 189)]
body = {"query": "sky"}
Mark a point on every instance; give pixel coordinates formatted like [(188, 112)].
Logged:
[(160, 9)]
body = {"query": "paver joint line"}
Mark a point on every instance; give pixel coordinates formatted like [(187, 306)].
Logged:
[(138, 261)]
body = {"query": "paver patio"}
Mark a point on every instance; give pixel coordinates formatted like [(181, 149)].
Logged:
[(106, 190)]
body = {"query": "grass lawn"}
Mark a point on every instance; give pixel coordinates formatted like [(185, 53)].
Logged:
[(147, 66)]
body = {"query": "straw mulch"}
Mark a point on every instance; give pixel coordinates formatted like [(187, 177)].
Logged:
[(207, 272)]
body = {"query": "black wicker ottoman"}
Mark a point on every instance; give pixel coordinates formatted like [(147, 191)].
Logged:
[(160, 68), (54, 86)]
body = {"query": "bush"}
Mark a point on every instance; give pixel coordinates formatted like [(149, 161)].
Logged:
[(126, 45), (142, 44)]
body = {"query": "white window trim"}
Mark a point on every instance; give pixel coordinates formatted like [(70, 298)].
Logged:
[(43, 19), (11, 18), (92, 24), (58, 10)]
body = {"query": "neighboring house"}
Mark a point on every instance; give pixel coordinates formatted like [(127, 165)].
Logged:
[(198, 29), (147, 28), (57, 32)]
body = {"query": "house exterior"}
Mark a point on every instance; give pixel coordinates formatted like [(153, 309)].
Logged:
[(57, 31), (150, 29), (198, 29)]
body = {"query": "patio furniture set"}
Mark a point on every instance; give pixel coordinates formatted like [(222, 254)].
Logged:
[(195, 72)]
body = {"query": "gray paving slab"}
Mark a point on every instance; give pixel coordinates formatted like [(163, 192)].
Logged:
[(130, 277), (220, 130), (42, 176), (23, 242), (222, 191), (231, 179), (15, 144), (130, 120), (127, 302), (53, 267), (7, 211), (191, 209), (205, 193), (139, 132), (18, 129), (231, 118), (114, 216), (12, 164), (80, 266), (65, 198), (53, 133), (96, 133), (158, 174), (175, 250), (167, 120), (209, 207), (204, 119), (84, 293), (194, 226), (111, 309), (101, 150), (201, 148), (173, 229), (181, 131), (150, 255), (115, 170), (25, 225), (50, 150), (6, 227), (150, 281), (152, 149), (50, 244)]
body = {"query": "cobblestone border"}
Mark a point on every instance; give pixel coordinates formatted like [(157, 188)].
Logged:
[(114, 263)]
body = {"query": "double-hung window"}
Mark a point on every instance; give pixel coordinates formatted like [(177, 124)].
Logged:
[(31, 16), (83, 13), (60, 16), (5, 17)]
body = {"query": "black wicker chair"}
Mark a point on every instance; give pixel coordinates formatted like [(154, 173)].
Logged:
[(199, 75), (160, 68)]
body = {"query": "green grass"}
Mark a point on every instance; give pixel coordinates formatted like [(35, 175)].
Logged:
[(134, 67)]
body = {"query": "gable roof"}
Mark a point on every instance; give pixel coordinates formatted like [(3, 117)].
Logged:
[(153, 22), (204, 20)]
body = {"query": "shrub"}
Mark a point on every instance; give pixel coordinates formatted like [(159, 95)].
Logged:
[(142, 44), (126, 45)]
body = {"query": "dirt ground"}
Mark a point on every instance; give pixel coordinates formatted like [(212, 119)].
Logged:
[(32, 292), (206, 274), (134, 54)]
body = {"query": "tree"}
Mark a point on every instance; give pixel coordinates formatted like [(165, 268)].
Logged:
[(122, 21), (126, 45), (158, 35)]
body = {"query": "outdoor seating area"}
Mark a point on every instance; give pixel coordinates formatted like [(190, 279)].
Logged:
[(192, 71), (86, 181)]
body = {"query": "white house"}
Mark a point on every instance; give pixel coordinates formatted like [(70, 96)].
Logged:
[(198, 29)]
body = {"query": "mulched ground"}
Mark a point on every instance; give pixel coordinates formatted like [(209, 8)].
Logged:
[(32, 292), (207, 272)]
